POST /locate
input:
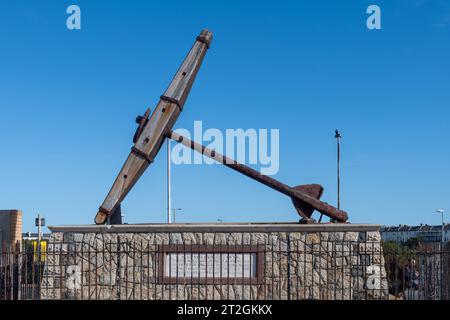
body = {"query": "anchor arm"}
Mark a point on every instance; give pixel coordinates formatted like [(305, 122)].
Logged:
[(305, 197)]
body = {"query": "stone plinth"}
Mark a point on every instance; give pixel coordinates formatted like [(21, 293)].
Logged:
[(248, 261)]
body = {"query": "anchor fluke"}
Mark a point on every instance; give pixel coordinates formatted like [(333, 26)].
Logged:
[(304, 209)]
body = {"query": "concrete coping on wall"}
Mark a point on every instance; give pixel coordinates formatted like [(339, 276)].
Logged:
[(217, 227)]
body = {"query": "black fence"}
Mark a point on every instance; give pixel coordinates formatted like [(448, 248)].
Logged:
[(272, 268), (419, 273), (21, 272)]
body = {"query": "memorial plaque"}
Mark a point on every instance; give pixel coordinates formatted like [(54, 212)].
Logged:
[(206, 264), (200, 265)]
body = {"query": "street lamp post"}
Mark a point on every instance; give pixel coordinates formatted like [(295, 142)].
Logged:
[(338, 140), (39, 222), (169, 191), (441, 211), (175, 213), (338, 137)]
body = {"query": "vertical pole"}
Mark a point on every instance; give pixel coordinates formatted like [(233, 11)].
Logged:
[(339, 173), (39, 230), (440, 254), (442, 231), (38, 247), (338, 140), (169, 191)]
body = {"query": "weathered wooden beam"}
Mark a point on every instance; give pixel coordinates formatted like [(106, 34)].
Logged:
[(161, 121)]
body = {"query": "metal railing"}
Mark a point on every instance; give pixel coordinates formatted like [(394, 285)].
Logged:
[(418, 274), (277, 266)]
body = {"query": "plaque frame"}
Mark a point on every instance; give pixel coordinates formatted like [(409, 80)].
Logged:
[(259, 250)]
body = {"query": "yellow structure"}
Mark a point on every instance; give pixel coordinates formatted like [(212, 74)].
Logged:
[(42, 252)]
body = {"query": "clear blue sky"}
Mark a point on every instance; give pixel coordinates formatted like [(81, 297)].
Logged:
[(68, 100)]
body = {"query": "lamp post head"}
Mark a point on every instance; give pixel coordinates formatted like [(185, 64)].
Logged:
[(337, 135), (440, 210)]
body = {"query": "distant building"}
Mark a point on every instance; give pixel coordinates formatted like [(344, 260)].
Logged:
[(34, 236), (425, 233), (10, 229)]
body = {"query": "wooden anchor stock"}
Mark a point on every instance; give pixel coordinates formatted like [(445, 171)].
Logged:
[(150, 135)]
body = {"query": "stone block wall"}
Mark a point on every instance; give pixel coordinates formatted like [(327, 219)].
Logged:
[(296, 262)]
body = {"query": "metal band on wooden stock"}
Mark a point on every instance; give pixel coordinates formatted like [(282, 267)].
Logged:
[(141, 154), (171, 100), (204, 40), (103, 210)]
